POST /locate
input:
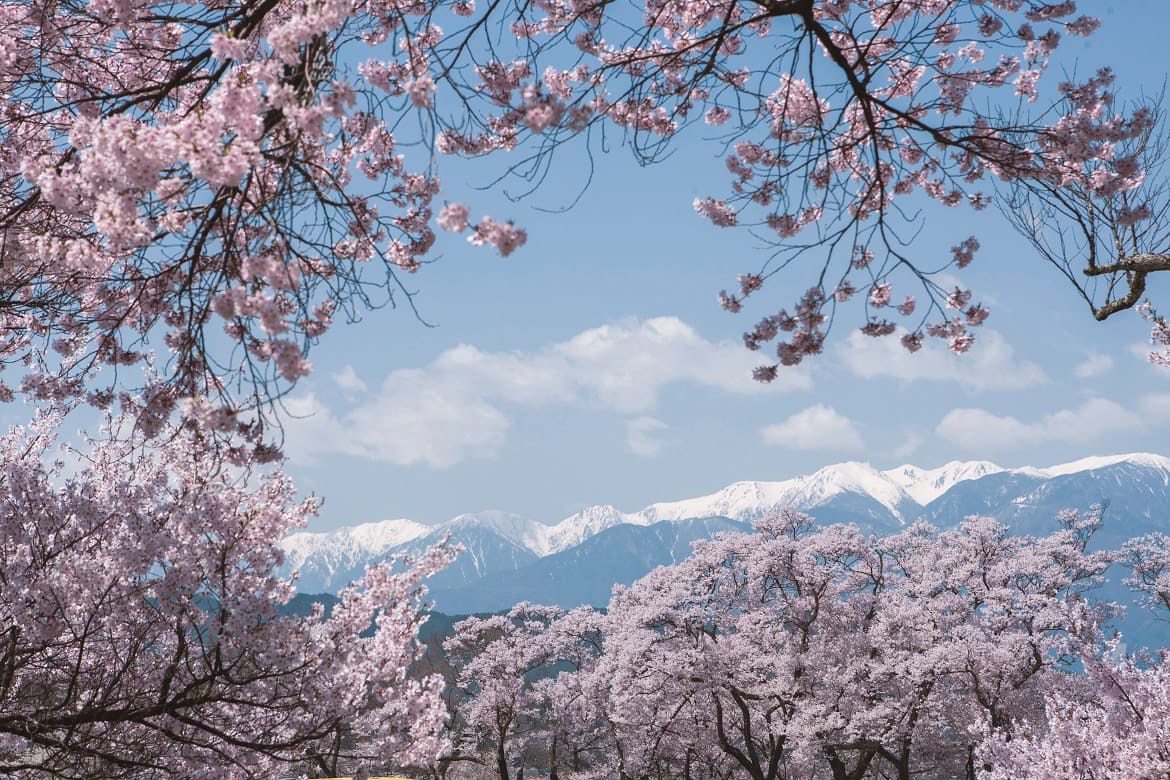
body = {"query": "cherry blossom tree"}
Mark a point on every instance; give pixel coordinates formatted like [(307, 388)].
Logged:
[(1148, 558), (225, 179), (495, 657), (831, 113), (191, 194), (795, 652), (519, 701), (220, 177), (1159, 334), (800, 652), (569, 724), (142, 632), (1115, 725), (1114, 721), (1106, 240)]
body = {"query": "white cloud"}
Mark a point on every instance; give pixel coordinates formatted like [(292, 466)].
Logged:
[(990, 365), (641, 436), (1094, 364), (435, 429), (818, 427), (309, 420), (349, 382), (981, 431), (457, 407), (625, 365), (909, 446), (1155, 407)]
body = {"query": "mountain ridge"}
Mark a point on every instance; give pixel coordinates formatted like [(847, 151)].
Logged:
[(498, 541)]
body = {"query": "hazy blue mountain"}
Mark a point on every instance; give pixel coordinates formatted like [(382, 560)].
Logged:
[(586, 573), (859, 509), (1136, 492), (988, 495), (578, 559)]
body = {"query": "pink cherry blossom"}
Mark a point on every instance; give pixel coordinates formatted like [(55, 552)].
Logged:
[(146, 630), (148, 163), (795, 650)]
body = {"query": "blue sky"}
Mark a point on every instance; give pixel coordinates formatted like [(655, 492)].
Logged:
[(594, 365)]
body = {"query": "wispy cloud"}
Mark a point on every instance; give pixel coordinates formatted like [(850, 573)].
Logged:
[(349, 382), (979, 430), (642, 436), (1094, 364), (990, 365), (818, 427), (909, 446), (460, 405)]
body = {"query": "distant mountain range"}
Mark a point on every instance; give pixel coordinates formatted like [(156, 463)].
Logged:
[(578, 560)]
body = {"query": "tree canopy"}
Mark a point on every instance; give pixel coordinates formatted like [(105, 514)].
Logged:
[(230, 177)]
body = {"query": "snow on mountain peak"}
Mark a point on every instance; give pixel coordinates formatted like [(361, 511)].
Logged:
[(739, 501), (850, 477), (748, 500), (515, 528), (1143, 459), (578, 527), (496, 519), (925, 485), (353, 542), (387, 533), (897, 489)]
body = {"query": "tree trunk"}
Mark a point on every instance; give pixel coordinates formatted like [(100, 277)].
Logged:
[(837, 765), (502, 762)]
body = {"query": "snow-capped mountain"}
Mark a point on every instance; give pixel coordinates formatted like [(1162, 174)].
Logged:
[(1135, 488), (492, 541), (576, 528), (587, 572), (925, 485), (511, 553), (519, 530), (900, 492), (748, 500), (322, 557)]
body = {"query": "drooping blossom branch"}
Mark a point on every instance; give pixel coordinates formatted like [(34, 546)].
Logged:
[(225, 179)]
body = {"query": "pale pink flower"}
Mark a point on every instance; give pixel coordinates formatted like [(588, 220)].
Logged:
[(453, 217)]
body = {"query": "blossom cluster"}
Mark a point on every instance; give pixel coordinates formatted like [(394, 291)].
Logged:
[(249, 174), (829, 652), (147, 631)]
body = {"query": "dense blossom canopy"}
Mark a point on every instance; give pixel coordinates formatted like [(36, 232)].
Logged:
[(142, 631), (225, 178), (805, 652)]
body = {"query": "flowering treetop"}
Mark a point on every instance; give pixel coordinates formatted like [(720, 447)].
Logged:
[(145, 632), (228, 177), (796, 651)]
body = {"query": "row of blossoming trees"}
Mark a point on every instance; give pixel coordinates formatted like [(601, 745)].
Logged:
[(143, 640), (798, 651), (191, 193)]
